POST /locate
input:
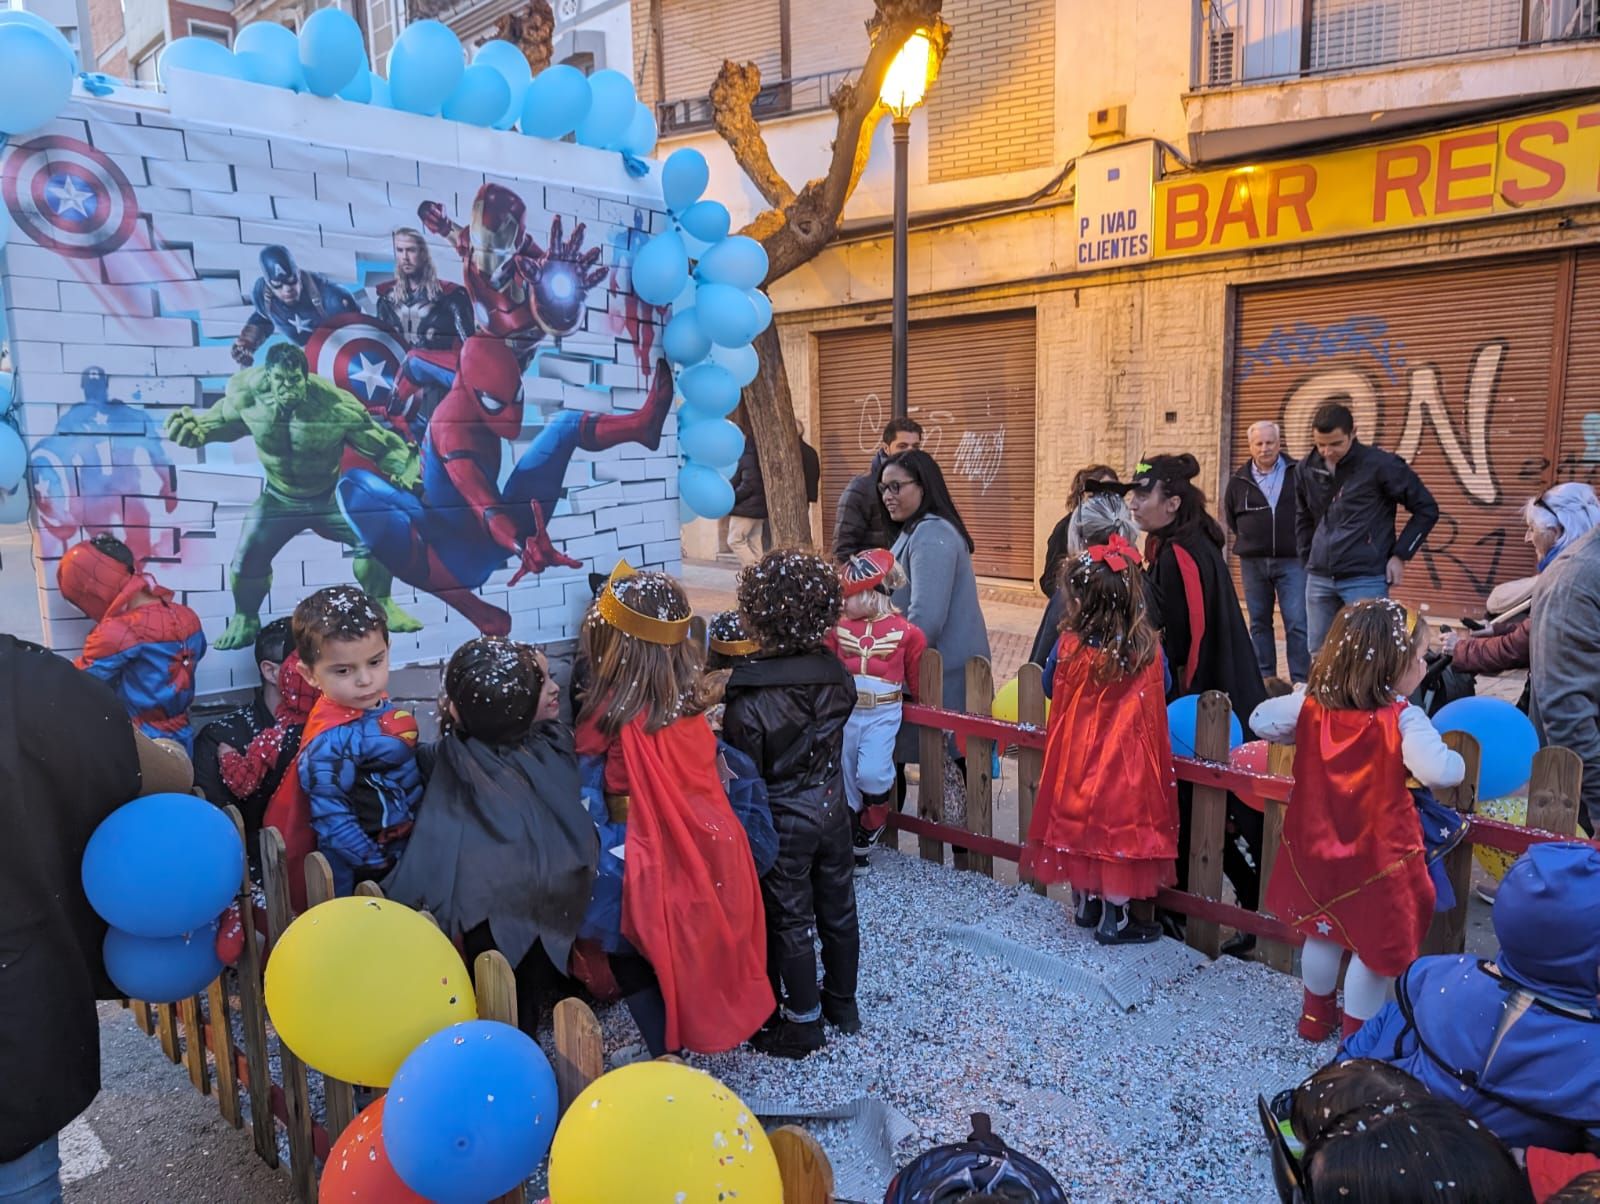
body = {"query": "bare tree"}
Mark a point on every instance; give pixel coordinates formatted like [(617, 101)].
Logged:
[(531, 31), (801, 223)]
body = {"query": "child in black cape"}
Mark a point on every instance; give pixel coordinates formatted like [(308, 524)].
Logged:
[(503, 853)]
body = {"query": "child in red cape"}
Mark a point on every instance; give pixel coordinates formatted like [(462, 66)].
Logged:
[(1106, 817), (1352, 871), (690, 901)]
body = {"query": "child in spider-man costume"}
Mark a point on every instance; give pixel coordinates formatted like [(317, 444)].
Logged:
[(144, 645), (464, 525)]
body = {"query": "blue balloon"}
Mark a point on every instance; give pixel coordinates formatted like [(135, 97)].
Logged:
[(513, 67), (480, 98), (608, 117), (8, 380), (639, 139), (763, 306), (37, 81), (21, 16), (704, 490), (273, 54), (13, 456), (382, 97), (471, 1112), (1182, 716), (162, 969), (727, 315), (163, 865), (737, 260), (556, 101), (359, 89), (1504, 734), (716, 442), (425, 66), (710, 389), (196, 54), (706, 220), (683, 340), (684, 177), (331, 51), (742, 363), (14, 504), (661, 268)]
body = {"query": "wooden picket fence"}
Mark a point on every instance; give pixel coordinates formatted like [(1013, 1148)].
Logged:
[(191, 1027), (1553, 801)]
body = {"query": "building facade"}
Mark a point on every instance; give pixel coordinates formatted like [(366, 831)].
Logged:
[(1138, 228)]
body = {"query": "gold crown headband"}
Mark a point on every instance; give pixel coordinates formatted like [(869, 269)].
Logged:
[(625, 619), (735, 647)]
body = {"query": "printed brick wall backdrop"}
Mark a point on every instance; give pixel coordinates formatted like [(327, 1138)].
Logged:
[(269, 365)]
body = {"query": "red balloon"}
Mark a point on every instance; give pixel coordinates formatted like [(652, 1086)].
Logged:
[(1251, 757), (358, 1167)]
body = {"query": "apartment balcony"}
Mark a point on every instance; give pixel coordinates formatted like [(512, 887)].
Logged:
[(1268, 74), (782, 98)]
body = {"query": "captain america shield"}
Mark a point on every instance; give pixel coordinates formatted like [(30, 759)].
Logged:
[(360, 355), (69, 197)]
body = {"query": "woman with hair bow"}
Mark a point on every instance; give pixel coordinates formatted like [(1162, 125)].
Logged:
[(1106, 816)]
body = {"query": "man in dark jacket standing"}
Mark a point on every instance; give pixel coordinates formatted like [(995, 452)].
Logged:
[(1346, 494), (1564, 652), (1258, 507), (747, 521), (861, 522)]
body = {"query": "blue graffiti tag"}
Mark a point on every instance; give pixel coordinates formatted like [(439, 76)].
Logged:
[(1304, 343)]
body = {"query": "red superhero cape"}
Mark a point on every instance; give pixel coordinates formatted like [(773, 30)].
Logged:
[(1352, 868), (290, 808), (691, 902)]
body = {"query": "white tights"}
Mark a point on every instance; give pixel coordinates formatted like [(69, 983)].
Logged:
[(1364, 991)]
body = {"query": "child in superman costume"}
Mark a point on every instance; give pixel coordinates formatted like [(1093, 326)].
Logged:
[(355, 785), (676, 908), (144, 645)]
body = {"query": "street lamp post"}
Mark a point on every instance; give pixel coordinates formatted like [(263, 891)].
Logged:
[(904, 86)]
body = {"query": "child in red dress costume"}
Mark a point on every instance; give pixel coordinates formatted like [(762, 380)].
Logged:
[(1352, 871), (1106, 818)]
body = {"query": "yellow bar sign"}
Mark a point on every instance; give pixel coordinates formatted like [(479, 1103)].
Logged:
[(1535, 162)]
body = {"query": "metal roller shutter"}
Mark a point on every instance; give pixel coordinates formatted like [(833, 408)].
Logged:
[(1578, 455), (972, 386), (697, 35), (1449, 366)]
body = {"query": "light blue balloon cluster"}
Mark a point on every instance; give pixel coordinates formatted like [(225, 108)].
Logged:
[(161, 870), (427, 73), (37, 67), (712, 280)]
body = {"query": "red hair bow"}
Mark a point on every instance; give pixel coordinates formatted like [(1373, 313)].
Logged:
[(1116, 553)]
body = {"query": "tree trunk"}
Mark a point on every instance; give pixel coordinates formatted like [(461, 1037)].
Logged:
[(769, 407)]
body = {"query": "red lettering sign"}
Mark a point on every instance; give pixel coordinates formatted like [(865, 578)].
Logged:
[(1236, 207), (1451, 173), (1554, 171), (1297, 199), (1390, 178), (1186, 210)]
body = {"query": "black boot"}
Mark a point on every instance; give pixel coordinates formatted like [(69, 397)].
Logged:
[(842, 1014), (793, 1039), (1086, 910), (1118, 927)]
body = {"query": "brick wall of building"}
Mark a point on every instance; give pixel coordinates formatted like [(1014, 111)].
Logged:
[(992, 109), (827, 35), (106, 30)]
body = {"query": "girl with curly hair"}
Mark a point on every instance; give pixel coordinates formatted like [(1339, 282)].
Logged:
[(676, 907), (786, 709)]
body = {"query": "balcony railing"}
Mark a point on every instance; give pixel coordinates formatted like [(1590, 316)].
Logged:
[(1257, 41), (784, 98)]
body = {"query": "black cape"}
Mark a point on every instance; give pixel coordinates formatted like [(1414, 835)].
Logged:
[(502, 837), (67, 760)]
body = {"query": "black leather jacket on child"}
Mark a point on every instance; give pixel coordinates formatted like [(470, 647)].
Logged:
[(787, 714)]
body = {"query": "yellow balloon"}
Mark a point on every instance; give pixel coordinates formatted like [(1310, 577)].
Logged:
[(1005, 702), (355, 984), (660, 1131), (1512, 810)]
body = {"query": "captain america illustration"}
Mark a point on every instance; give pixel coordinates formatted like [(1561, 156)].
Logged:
[(289, 300)]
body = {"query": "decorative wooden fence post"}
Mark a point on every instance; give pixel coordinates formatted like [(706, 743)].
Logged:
[(980, 768), (1555, 790), (580, 1051), (253, 1017), (1448, 932), (297, 1096), (1208, 820), (806, 1173), (496, 988), (338, 1097), (1030, 761), (931, 745)]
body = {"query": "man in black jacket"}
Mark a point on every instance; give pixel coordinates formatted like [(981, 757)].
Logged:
[(1258, 508), (861, 522), (1346, 493)]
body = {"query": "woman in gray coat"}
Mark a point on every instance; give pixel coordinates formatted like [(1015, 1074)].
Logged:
[(934, 549)]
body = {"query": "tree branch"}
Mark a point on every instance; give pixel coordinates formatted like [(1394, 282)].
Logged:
[(732, 112)]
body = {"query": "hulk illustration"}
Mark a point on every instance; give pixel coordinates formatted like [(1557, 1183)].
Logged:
[(301, 426)]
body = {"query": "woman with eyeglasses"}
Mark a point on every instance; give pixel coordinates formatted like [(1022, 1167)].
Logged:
[(934, 549)]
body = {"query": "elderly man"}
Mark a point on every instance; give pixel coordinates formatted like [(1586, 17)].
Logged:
[(1564, 652), (1258, 507)]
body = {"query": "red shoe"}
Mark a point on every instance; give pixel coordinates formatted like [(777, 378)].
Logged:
[(1319, 1017), (1351, 1026)]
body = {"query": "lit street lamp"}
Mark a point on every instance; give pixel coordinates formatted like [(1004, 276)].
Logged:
[(904, 85)]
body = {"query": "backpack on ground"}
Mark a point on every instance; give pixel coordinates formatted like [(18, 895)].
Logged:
[(982, 1163)]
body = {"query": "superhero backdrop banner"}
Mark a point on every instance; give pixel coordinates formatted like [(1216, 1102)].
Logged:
[(269, 365)]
